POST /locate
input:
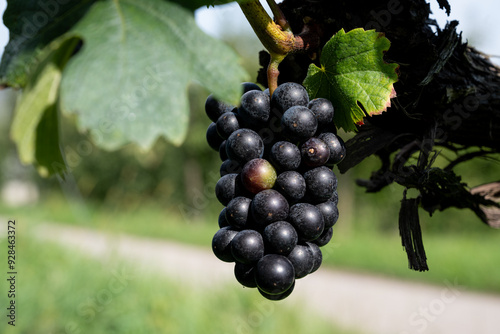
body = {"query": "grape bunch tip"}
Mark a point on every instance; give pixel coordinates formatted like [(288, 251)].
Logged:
[(277, 185)]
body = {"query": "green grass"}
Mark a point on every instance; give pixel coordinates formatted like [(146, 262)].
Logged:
[(62, 291), (468, 254)]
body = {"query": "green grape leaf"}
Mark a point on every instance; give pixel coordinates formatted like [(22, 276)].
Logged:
[(35, 124), (32, 25), (129, 81), (354, 76)]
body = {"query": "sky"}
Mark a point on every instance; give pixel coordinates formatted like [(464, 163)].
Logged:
[(478, 21)]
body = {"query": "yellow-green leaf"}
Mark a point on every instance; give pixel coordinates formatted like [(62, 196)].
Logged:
[(354, 76)]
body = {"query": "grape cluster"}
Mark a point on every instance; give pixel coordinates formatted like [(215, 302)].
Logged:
[(277, 184)]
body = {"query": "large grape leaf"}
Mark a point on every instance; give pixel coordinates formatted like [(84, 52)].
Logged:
[(354, 76), (32, 25), (35, 124), (129, 81)]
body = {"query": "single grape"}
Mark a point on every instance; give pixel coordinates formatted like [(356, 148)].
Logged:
[(299, 123), (237, 212), (258, 175), (227, 124), (289, 94), (221, 243), (274, 274), (317, 256), (322, 109), (230, 167), (314, 152), (321, 182), (330, 212), (269, 206), (280, 237), (215, 108), (245, 274), (336, 146), (222, 219), (244, 145), (285, 156), (228, 187), (307, 220), (248, 86), (213, 138), (279, 296), (324, 238), (255, 107), (247, 246), (302, 259), (292, 185)]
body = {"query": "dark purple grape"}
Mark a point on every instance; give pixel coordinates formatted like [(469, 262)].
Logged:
[(258, 175), (299, 123), (213, 138), (322, 109), (269, 206), (245, 274), (292, 185), (279, 296), (222, 151), (230, 167), (215, 108), (228, 187), (330, 212), (274, 274), (280, 237), (285, 156), (227, 124), (289, 94), (314, 152), (255, 107), (302, 259), (247, 246), (248, 86), (317, 256), (324, 238), (222, 219), (244, 145), (321, 182), (307, 220), (221, 243), (237, 211), (336, 146)]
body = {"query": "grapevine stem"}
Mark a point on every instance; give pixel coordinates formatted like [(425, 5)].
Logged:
[(271, 35), (279, 17), (273, 72), (277, 38)]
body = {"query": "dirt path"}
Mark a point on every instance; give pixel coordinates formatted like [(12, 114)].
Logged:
[(371, 304)]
